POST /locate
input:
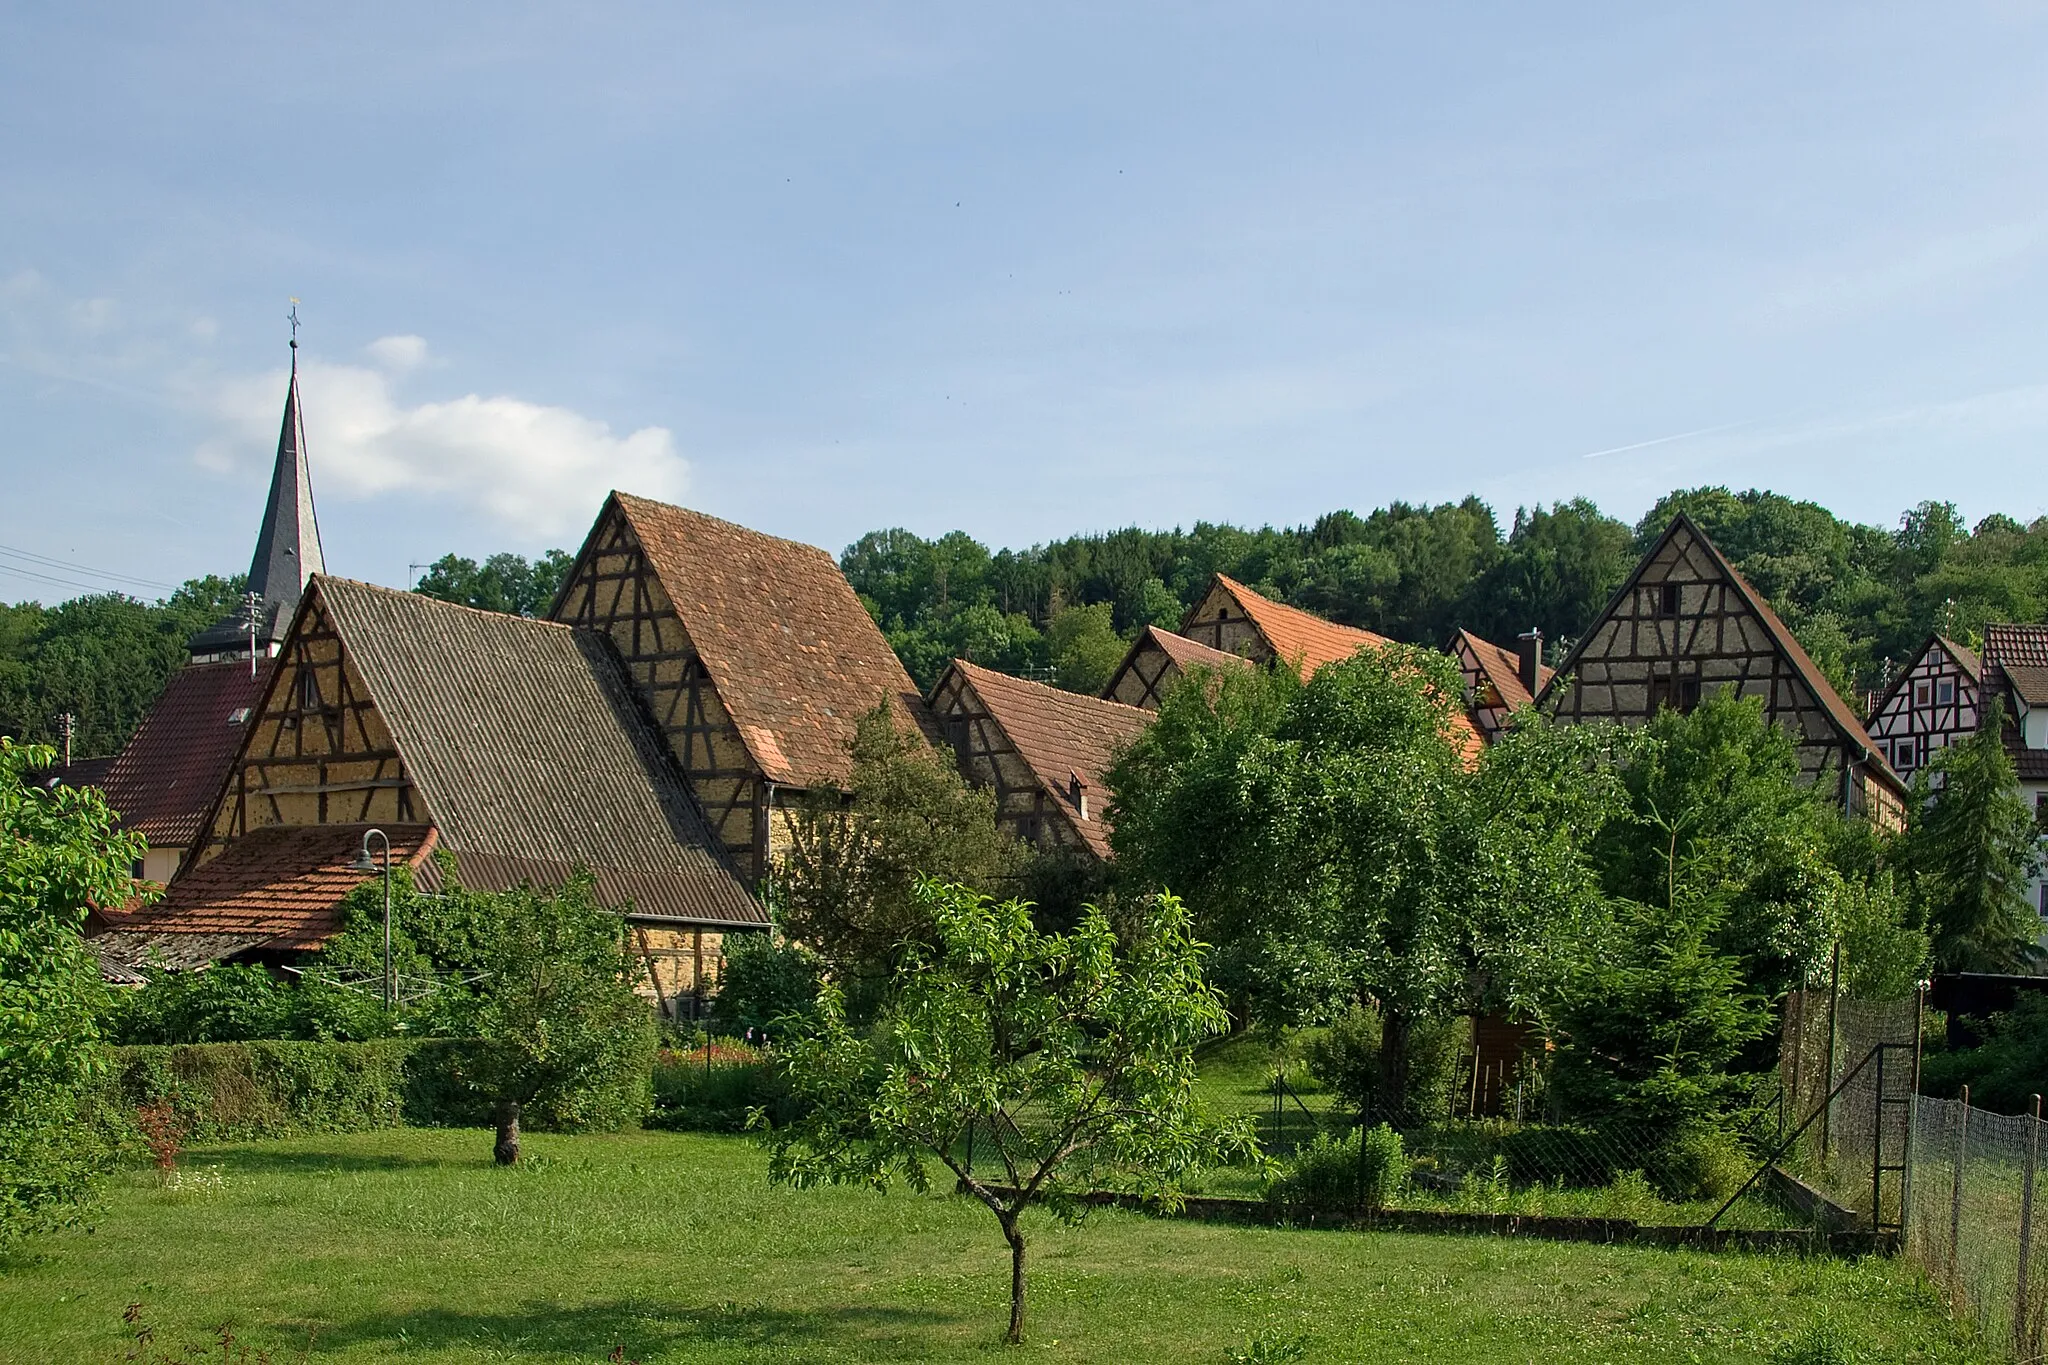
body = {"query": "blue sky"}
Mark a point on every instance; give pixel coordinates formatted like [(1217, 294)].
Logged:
[(1023, 271)]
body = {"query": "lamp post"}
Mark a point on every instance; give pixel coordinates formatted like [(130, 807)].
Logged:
[(364, 863)]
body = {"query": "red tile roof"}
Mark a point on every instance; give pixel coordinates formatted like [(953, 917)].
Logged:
[(795, 656), (1060, 735), (1187, 653), (278, 886), (167, 777), (2011, 646), (1309, 642), (1503, 669)]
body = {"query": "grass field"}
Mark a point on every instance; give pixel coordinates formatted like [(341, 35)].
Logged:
[(409, 1246)]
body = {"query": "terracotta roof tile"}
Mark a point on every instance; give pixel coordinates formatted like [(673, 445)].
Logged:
[(1503, 669), (1060, 735), (171, 770), (527, 742), (2011, 646), (795, 656), (279, 886), (1188, 653), (1309, 642)]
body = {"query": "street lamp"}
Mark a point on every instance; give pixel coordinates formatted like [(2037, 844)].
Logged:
[(364, 863)]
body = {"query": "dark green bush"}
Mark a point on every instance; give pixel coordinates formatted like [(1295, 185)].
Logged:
[(1578, 1158), (765, 982), (1329, 1180), (1346, 1059), (2004, 1071), (690, 1096)]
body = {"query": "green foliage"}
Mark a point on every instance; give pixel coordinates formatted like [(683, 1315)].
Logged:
[(263, 1089), (1346, 1059), (718, 1088), (2005, 1070), (103, 658), (59, 856), (1332, 1180), (1971, 852), (848, 886), (1084, 647), (1071, 1056), (569, 1039), (1648, 1034), (766, 980), (503, 582)]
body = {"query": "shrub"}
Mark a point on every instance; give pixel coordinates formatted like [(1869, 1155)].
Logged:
[(2005, 1069), (1577, 1158), (1332, 1180), (718, 1097), (765, 982), (1701, 1163), (1346, 1059)]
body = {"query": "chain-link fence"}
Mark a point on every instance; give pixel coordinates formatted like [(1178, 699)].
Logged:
[(1973, 1221)]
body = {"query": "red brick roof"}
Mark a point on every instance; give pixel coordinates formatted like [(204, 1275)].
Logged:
[(1185, 652), (795, 656), (1309, 642), (1060, 735), (278, 886), (166, 779), (1503, 669)]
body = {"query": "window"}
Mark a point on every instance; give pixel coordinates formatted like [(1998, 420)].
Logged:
[(309, 690), (1921, 692), (1667, 599), (1681, 694), (1906, 755), (1945, 692), (2041, 811)]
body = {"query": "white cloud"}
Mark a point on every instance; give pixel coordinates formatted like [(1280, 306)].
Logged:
[(536, 469), (398, 353)]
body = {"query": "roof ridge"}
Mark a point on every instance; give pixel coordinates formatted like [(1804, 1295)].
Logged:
[(623, 497), (438, 603)]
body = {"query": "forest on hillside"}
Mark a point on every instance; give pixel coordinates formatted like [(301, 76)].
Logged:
[(1861, 598)]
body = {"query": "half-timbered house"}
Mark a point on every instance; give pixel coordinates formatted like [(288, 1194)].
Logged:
[(1499, 682), (1232, 619), (1935, 701), (1157, 660), (1684, 624), (2016, 672), (519, 748), (752, 653), (1041, 750)]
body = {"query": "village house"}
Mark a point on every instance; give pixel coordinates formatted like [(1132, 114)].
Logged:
[(1499, 682), (1684, 624), (515, 750), (1945, 695), (1041, 750), (753, 655)]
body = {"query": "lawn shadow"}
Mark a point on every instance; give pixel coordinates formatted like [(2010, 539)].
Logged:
[(266, 1160), (642, 1328)]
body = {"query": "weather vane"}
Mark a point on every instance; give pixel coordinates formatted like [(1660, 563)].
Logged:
[(294, 318)]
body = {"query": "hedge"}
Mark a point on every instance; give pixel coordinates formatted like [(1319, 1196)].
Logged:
[(238, 1091)]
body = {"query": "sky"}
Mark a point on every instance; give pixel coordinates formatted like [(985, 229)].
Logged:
[(1024, 271)]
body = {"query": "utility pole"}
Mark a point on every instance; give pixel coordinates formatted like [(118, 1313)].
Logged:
[(252, 607), (66, 725)]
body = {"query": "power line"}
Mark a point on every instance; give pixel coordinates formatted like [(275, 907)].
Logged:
[(48, 562), (11, 571)]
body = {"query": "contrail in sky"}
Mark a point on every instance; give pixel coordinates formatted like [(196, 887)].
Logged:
[(1667, 440)]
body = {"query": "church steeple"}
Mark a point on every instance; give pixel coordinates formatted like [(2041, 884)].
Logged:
[(287, 544)]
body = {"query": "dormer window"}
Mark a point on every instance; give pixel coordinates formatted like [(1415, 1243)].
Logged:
[(1077, 792)]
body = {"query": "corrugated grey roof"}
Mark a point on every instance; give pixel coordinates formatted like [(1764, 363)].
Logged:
[(527, 744)]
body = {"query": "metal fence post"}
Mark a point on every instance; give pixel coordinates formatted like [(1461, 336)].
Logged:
[(2020, 1303), (1955, 1206), (1827, 1117)]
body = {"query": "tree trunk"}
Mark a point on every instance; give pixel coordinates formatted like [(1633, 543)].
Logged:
[(1015, 1238), (507, 1116), (1395, 1030)]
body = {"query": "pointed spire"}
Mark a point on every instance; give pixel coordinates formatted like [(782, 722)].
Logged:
[(287, 544)]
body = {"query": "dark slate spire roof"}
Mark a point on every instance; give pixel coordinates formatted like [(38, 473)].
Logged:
[(287, 546)]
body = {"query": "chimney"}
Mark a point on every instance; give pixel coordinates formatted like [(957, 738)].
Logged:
[(1529, 646), (1078, 790)]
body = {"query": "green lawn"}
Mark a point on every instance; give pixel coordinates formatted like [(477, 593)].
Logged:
[(409, 1246)]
